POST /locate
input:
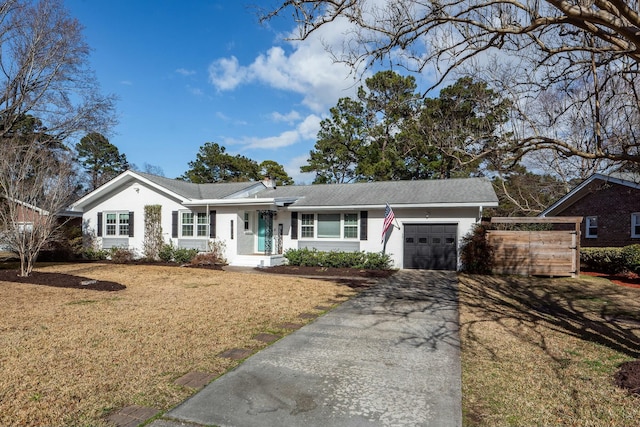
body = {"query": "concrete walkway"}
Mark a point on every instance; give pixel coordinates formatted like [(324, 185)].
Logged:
[(389, 357)]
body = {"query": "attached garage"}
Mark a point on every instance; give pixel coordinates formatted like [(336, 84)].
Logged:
[(430, 246)]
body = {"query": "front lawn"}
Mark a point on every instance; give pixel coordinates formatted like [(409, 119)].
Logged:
[(73, 356), (539, 351)]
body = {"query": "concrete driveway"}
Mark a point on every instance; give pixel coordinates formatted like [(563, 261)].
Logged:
[(388, 357)]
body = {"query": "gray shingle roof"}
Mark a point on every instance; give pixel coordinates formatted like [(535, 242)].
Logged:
[(198, 191), (450, 191)]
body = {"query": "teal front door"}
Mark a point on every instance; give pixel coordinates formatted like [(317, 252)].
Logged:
[(265, 232)]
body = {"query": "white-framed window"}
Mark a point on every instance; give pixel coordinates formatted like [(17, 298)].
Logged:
[(329, 226), (350, 226), (116, 224), (25, 227), (202, 224), (247, 221), (194, 224), (635, 224), (307, 226), (591, 227)]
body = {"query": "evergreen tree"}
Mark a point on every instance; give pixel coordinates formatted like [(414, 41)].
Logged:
[(101, 160)]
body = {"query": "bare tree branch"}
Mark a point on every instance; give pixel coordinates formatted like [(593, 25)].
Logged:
[(554, 46), (44, 71), (36, 184)]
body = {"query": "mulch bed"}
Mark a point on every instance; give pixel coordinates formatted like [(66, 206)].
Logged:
[(327, 272), (355, 278), (628, 376), (630, 280), (60, 280)]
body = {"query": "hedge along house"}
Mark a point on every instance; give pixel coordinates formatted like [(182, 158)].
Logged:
[(610, 207), (257, 222)]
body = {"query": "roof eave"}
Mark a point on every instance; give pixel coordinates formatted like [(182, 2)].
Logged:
[(491, 204), (232, 202), (553, 209)]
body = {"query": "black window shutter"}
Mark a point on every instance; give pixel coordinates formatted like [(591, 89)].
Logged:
[(130, 224), (364, 218), (294, 225), (99, 230), (212, 224), (174, 224)]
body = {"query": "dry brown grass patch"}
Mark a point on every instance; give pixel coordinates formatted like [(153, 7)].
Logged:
[(543, 351), (72, 356)]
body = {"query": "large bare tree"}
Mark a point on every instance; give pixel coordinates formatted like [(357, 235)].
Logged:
[(45, 73), (36, 184), (48, 95), (585, 52)]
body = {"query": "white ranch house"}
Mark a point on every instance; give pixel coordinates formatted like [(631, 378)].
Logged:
[(258, 222)]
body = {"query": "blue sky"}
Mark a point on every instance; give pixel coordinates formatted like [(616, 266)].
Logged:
[(186, 73)]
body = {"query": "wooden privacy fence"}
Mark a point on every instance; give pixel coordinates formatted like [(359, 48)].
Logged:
[(536, 253)]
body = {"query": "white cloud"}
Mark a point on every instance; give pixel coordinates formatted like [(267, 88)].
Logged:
[(291, 117), (285, 139), (307, 70), (306, 130), (126, 82), (309, 127), (222, 116), (185, 72), (225, 118), (195, 91), (292, 167), (226, 73)]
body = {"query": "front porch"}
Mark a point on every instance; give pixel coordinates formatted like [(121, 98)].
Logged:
[(259, 245), (257, 260)]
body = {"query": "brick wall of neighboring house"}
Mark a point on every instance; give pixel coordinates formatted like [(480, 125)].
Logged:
[(25, 214), (613, 204)]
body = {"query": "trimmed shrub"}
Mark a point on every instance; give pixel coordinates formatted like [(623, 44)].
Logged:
[(476, 255), (207, 258), (338, 259), (631, 256), (611, 260), (121, 255), (376, 261), (166, 252), (184, 255), (94, 254)]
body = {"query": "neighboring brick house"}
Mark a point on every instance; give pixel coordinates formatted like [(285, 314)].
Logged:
[(28, 215), (610, 207)]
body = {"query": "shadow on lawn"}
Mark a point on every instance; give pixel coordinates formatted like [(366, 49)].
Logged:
[(587, 312)]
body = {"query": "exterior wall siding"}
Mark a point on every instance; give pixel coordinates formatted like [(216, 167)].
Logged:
[(465, 218), (613, 204), (132, 198), (331, 245)]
